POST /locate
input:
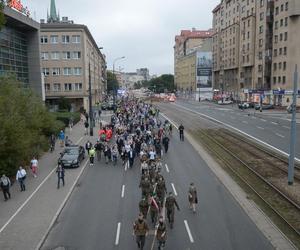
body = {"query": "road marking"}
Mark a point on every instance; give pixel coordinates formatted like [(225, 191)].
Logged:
[(174, 189), (286, 127), (260, 127), (282, 136), (238, 130), (253, 117), (245, 122), (275, 123), (188, 231), (118, 234), (79, 140), (263, 120), (123, 191), (167, 168)]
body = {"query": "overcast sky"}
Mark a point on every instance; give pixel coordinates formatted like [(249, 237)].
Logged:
[(141, 30)]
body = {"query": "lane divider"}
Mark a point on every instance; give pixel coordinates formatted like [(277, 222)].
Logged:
[(118, 234), (188, 231), (167, 168), (123, 191), (172, 184)]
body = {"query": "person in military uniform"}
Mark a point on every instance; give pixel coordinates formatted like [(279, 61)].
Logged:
[(161, 189), (140, 230), (145, 185), (154, 207), (192, 196), (144, 206), (161, 233), (170, 206)]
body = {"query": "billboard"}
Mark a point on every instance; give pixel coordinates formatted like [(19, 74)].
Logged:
[(204, 70)]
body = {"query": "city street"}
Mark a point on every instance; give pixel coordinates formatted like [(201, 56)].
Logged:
[(269, 126), (107, 197)]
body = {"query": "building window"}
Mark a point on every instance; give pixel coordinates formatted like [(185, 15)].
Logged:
[(276, 25), (78, 86), (284, 65), (279, 79), (281, 7), (280, 51), (277, 11), (261, 16), (46, 71), (285, 36), (260, 42), (287, 6), (56, 71), (76, 39), (275, 52), (67, 71), (260, 68), (286, 22), (285, 51), (65, 39), (262, 3), (55, 55), (56, 87), (44, 39), (276, 39), (68, 86), (274, 80), (66, 55), (281, 22), (260, 55), (274, 66), (279, 65), (284, 80), (44, 56), (261, 29), (77, 71), (47, 87), (76, 55), (53, 39), (280, 37)]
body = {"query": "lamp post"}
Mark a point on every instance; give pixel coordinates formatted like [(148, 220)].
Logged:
[(114, 86)]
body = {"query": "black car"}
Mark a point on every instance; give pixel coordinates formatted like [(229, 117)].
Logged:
[(72, 156)]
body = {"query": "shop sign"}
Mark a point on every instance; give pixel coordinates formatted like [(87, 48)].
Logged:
[(278, 92), (268, 92), (17, 5)]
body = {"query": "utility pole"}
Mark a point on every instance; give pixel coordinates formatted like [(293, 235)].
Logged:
[(114, 81), (293, 132)]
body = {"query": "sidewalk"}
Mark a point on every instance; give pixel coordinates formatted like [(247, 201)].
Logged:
[(25, 218)]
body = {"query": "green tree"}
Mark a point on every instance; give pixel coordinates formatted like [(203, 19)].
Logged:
[(64, 104), (25, 125), (161, 84), (112, 82), (2, 17)]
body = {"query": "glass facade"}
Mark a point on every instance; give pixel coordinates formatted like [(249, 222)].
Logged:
[(14, 54)]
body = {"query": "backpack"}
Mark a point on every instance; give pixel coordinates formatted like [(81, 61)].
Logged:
[(5, 182)]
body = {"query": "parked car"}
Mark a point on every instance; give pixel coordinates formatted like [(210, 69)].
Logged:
[(72, 156), (246, 105), (264, 106), (225, 101)]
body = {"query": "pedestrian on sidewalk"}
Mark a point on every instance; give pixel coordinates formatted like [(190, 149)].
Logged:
[(61, 137), (192, 195), (181, 132), (71, 123), (88, 146), (34, 166), (20, 177), (140, 230), (86, 126), (60, 175), (5, 185), (92, 154)]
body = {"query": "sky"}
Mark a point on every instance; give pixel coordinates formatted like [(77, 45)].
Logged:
[(141, 30)]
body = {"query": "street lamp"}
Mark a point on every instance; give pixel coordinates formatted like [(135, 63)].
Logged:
[(114, 86)]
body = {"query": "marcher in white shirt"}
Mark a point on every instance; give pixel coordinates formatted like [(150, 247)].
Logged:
[(34, 166)]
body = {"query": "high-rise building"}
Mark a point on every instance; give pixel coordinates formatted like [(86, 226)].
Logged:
[(255, 49), (188, 46), (143, 72), (19, 47), (69, 56)]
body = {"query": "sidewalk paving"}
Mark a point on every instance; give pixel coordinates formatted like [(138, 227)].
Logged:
[(25, 218)]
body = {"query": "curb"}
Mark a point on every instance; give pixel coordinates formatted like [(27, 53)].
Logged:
[(42, 241)]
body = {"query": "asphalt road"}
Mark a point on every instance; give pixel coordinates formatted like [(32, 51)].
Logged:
[(91, 217), (270, 127)]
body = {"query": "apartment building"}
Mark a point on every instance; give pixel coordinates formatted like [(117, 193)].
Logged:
[(251, 45), (69, 56), (185, 58)]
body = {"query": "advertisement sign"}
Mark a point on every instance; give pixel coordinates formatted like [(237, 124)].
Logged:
[(204, 70), (17, 5)]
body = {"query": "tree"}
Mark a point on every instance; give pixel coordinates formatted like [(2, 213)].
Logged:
[(25, 125), (2, 17), (112, 82), (160, 84), (64, 104)]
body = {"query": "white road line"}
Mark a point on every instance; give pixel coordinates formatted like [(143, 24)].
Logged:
[(286, 127), (174, 189), (260, 127), (263, 120), (238, 130), (282, 136), (123, 191), (245, 122), (79, 140), (118, 234), (275, 123), (167, 168), (253, 117), (188, 231)]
